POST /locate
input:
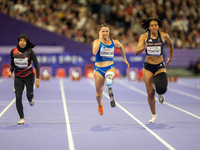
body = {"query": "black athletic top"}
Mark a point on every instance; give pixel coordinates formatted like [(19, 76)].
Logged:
[(22, 62), (154, 46)]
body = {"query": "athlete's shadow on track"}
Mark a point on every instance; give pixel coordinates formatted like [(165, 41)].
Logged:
[(99, 128), (16, 127), (154, 126)]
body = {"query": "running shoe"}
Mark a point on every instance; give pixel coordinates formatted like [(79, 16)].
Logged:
[(21, 122), (100, 109), (161, 98), (153, 118), (31, 103), (112, 101)]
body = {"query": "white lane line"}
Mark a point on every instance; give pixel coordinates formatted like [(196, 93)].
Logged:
[(182, 110), (188, 85), (144, 93), (1, 80), (184, 93), (150, 131), (10, 104), (69, 133)]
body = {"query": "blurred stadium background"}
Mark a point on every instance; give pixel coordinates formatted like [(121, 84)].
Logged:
[(63, 32)]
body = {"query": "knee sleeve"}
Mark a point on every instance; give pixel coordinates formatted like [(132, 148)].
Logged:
[(109, 78), (161, 82)]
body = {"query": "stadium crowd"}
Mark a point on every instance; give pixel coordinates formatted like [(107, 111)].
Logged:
[(79, 19)]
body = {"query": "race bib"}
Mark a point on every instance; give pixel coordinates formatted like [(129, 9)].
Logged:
[(154, 50), (21, 62), (107, 52)]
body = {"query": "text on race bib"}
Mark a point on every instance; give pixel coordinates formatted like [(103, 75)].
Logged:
[(107, 52), (154, 50)]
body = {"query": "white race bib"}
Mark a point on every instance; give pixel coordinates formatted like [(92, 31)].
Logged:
[(107, 52), (154, 50), (21, 62)]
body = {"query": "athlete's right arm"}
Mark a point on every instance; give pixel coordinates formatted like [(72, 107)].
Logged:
[(95, 47), (142, 45)]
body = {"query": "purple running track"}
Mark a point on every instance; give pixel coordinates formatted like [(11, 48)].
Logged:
[(123, 127)]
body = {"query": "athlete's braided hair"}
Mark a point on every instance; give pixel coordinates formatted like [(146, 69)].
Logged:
[(146, 22)]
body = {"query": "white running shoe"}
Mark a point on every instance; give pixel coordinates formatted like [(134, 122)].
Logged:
[(21, 122), (153, 118), (31, 103), (161, 98)]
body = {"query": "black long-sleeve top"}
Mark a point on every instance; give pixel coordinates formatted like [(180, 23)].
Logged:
[(21, 62)]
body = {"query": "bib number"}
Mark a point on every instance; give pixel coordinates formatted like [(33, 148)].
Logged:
[(154, 50), (107, 52), (21, 62)]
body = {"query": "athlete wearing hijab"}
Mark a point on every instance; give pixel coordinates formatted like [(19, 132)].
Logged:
[(22, 57)]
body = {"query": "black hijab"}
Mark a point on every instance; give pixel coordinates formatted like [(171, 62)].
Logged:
[(28, 43)]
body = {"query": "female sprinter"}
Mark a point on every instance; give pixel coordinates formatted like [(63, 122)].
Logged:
[(154, 69), (21, 61), (104, 70)]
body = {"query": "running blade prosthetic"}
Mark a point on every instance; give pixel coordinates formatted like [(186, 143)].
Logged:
[(112, 101)]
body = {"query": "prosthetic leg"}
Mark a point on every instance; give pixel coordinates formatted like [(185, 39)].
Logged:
[(109, 81)]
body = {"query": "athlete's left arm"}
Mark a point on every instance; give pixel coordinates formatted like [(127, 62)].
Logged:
[(171, 47), (121, 47), (37, 68)]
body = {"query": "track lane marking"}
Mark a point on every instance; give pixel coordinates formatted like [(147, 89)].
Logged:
[(188, 85), (128, 113), (10, 104), (144, 93), (1, 80), (184, 93), (7, 107), (69, 133)]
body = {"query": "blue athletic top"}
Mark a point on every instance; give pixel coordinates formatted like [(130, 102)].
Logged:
[(105, 52), (154, 46)]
